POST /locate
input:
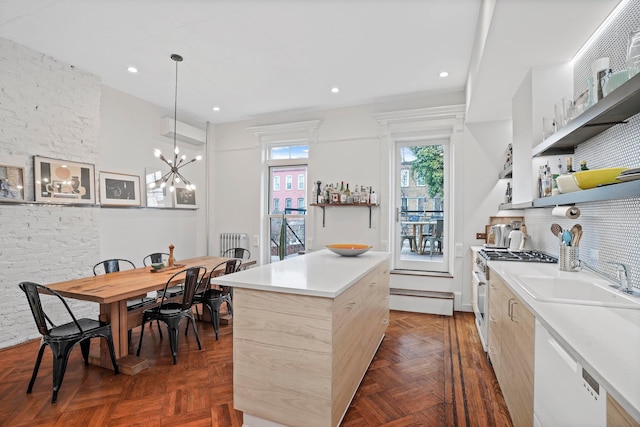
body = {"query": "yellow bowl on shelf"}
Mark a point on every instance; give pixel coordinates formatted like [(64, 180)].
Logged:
[(594, 177)]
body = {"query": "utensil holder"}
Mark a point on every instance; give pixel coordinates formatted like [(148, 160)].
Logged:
[(569, 258)]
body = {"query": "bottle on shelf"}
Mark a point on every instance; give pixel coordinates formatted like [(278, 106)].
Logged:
[(583, 166), (343, 198), (355, 194), (507, 194), (570, 165), (373, 197), (347, 195)]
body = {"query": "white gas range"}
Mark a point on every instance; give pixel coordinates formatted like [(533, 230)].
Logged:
[(480, 280)]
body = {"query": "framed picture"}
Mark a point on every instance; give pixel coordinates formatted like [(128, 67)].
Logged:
[(185, 199), (11, 184), (157, 196), (61, 181), (117, 189)]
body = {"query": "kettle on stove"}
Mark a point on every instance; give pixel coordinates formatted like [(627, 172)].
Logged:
[(516, 236)]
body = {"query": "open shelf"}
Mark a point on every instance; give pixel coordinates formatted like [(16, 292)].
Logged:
[(622, 190), (344, 205), (613, 109)]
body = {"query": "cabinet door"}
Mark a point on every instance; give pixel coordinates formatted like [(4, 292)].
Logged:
[(617, 416), (495, 325), (517, 352)]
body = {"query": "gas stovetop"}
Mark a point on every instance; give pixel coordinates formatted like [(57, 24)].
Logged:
[(522, 256)]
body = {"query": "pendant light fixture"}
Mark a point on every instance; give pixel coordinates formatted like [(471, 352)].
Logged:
[(174, 176)]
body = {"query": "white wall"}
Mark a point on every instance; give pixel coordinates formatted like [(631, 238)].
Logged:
[(129, 133), (350, 147), (52, 109)]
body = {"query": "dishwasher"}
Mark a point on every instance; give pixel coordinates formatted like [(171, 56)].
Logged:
[(565, 394)]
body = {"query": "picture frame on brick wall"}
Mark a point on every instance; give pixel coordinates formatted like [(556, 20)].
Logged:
[(63, 182), (185, 199), (11, 184), (118, 189)]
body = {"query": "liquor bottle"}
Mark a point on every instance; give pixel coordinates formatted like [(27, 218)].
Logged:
[(343, 198), (373, 198), (507, 194), (364, 196), (347, 195), (570, 165), (583, 166), (355, 194)]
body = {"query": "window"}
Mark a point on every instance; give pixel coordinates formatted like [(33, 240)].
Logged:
[(420, 204), (276, 206), (289, 182), (289, 152), (404, 178), (420, 182), (287, 203), (301, 203), (276, 183), (301, 182)]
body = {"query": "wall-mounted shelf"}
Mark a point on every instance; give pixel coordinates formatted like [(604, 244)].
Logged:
[(344, 205), (506, 173), (623, 190), (613, 109)]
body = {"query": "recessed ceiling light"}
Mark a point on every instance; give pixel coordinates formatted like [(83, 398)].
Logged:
[(443, 74), (216, 108), (335, 89), (132, 69)]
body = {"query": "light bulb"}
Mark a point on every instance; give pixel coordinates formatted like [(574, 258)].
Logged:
[(164, 184), (157, 152), (152, 185), (198, 157), (177, 150), (171, 189), (177, 179), (193, 187), (184, 157)]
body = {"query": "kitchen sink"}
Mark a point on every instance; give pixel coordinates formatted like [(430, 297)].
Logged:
[(575, 291)]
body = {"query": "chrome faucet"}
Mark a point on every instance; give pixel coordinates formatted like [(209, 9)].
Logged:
[(623, 277)]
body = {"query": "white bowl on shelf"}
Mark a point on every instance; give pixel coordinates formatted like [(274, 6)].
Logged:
[(567, 184)]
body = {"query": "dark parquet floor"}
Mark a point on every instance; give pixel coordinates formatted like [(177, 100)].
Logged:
[(430, 370)]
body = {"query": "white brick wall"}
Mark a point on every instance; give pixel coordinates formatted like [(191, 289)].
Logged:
[(50, 109)]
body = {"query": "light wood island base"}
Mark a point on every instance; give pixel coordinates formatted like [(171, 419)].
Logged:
[(298, 359)]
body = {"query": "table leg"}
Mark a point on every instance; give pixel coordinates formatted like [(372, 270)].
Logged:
[(116, 314), (420, 237)]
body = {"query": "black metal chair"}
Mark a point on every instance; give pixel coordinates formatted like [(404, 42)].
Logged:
[(61, 339), (154, 258), (214, 298), (240, 253), (161, 257), (113, 265), (172, 313)]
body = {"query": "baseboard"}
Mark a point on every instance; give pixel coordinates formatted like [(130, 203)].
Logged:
[(421, 301)]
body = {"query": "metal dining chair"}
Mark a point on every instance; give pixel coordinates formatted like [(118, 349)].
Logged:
[(61, 339), (213, 298), (171, 313)]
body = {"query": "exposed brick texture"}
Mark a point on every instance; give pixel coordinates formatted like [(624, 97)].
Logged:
[(50, 109)]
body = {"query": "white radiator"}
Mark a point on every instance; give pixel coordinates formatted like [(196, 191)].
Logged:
[(233, 240)]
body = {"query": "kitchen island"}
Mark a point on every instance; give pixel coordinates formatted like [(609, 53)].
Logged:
[(305, 330)]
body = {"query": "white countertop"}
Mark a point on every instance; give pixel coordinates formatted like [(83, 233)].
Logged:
[(320, 273), (606, 341)]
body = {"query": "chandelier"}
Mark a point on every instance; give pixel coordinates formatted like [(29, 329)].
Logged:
[(174, 176)]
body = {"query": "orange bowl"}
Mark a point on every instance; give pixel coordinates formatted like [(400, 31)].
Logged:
[(348, 249)]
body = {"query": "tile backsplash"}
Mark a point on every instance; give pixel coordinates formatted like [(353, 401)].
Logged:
[(611, 229)]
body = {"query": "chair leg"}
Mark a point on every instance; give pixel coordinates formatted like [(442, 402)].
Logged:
[(195, 329), (60, 358), (112, 352), (144, 320), (173, 340), (85, 346), (36, 367)]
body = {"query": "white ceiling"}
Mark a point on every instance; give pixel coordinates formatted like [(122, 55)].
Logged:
[(256, 57)]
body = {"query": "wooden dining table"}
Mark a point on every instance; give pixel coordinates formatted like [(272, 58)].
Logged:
[(418, 231), (113, 290)]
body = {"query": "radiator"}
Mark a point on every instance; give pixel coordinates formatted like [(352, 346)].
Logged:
[(233, 240)]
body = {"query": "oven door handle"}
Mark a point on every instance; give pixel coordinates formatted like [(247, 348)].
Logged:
[(479, 279)]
